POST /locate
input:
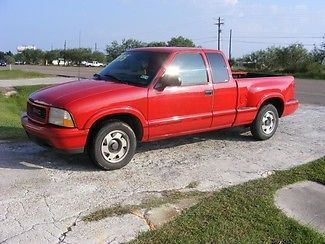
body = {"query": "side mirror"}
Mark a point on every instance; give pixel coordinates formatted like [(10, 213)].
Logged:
[(168, 80)]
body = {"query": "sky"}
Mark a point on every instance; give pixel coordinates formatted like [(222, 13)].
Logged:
[(256, 24)]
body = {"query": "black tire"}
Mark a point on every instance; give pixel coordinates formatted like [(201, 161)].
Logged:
[(108, 136), (265, 130)]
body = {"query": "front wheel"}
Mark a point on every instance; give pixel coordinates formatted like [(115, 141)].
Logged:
[(265, 123), (113, 146)]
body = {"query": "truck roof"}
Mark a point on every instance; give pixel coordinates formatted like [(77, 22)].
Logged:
[(173, 49)]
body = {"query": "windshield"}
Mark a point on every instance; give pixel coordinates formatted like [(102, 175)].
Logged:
[(134, 67)]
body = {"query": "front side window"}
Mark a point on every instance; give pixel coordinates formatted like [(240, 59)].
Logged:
[(134, 67), (218, 68), (190, 68)]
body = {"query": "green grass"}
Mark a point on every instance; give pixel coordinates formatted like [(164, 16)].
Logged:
[(10, 111), (18, 74), (308, 75), (242, 214), (148, 203)]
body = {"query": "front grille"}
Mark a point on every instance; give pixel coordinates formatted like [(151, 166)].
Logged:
[(36, 112)]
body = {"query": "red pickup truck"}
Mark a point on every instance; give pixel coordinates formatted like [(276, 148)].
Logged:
[(153, 93)]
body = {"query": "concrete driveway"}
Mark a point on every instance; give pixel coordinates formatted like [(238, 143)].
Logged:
[(44, 195)]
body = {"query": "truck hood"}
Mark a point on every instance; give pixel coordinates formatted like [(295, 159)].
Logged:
[(63, 94)]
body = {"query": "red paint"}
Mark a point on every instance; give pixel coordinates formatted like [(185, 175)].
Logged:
[(172, 112)]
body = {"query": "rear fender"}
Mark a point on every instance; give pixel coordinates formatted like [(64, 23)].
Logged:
[(268, 97)]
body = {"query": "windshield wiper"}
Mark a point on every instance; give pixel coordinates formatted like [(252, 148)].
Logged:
[(115, 78), (101, 77), (97, 76)]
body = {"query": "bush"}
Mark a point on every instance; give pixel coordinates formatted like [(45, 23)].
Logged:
[(9, 59), (294, 59)]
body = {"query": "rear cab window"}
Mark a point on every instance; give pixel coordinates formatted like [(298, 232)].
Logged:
[(218, 67)]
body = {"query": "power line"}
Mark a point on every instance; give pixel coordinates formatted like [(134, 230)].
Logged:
[(260, 37), (281, 37), (203, 38), (257, 42), (273, 43)]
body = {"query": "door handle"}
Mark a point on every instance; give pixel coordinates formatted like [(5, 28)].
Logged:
[(208, 92)]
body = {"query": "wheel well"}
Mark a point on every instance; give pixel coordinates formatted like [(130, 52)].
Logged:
[(129, 119), (277, 103)]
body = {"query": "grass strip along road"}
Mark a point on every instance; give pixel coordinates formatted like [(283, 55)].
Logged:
[(18, 74)]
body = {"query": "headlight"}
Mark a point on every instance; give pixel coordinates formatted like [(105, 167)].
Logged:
[(60, 117)]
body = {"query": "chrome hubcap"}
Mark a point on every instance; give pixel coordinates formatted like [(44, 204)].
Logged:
[(268, 122), (115, 146)]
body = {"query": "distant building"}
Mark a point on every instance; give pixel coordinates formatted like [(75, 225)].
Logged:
[(25, 47)]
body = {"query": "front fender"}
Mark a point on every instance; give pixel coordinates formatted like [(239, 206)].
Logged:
[(113, 111)]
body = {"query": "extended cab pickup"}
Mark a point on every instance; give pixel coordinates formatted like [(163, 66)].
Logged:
[(153, 93)]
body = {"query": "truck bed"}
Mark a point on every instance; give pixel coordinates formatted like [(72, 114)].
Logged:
[(252, 93)]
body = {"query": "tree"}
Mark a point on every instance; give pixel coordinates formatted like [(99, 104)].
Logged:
[(157, 44), (33, 56), (294, 58), (318, 53), (76, 55), (98, 56), (49, 56), (115, 49), (180, 41), (20, 57), (9, 53), (3, 54), (9, 59)]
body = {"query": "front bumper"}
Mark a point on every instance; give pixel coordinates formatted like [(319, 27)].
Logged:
[(71, 140)]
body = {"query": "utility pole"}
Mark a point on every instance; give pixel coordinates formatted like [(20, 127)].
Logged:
[(79, 39), (95, 46), (65, 44), (230, 35), (79, 60), (219, 24)]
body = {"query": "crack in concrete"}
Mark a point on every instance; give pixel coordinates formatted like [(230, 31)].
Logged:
[(37, 224), (69, 228), (51, 212), (74, 223), (21, 233)]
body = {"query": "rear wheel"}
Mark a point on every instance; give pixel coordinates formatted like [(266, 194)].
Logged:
[(113, 146), (265, 123)]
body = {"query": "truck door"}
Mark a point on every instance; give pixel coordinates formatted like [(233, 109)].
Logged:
[(186, 107), (225, 91)]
